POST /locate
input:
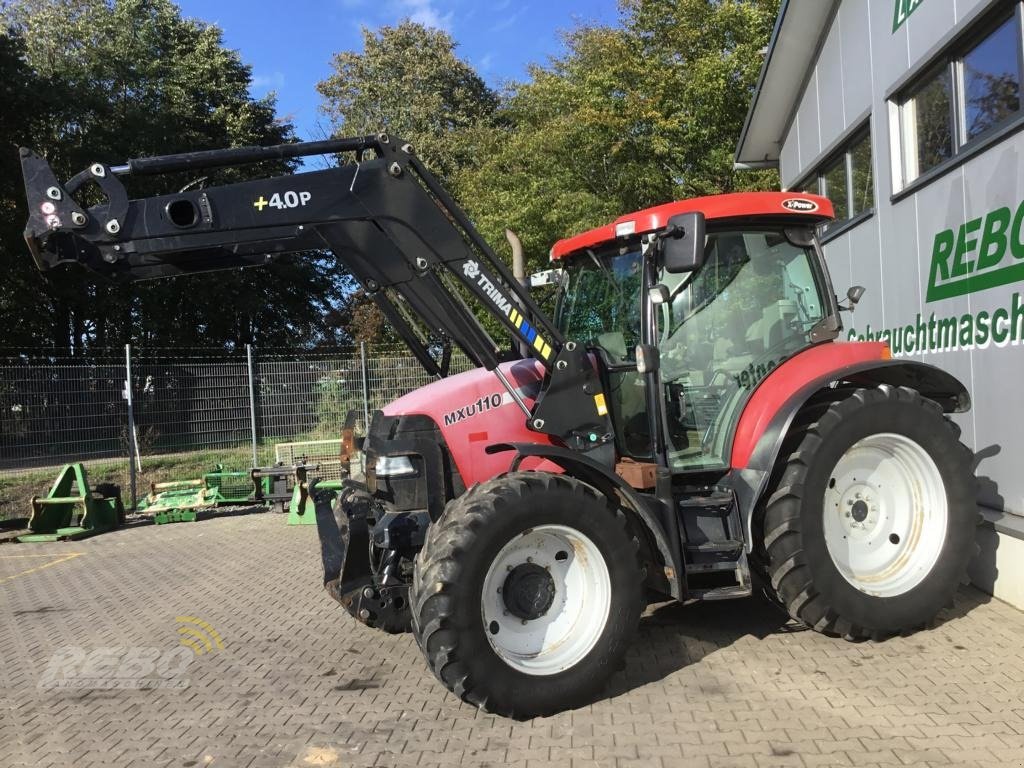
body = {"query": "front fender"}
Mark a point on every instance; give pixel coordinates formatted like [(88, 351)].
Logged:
[(605, 480)]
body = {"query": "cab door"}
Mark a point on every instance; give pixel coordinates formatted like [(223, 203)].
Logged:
[(756, 300)]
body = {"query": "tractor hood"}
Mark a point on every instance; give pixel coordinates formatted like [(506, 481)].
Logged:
[(473, 410)]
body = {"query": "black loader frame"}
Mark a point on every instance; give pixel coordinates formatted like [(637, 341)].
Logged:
[(382, 214)]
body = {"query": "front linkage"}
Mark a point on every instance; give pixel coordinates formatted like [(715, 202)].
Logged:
[(367, 554)]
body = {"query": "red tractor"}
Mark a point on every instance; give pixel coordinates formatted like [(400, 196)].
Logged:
[(686, 426)]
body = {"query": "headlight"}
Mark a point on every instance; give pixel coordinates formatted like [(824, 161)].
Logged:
[(394, 466)]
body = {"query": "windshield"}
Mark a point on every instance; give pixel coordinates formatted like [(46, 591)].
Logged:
[(601, 305)]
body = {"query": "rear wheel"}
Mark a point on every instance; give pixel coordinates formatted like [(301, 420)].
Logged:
[(526, 594), (870, 524)]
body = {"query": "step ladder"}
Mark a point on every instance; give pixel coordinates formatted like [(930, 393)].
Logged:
[(713, 545)]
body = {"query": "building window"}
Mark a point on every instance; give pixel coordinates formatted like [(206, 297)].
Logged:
[(862, 189), (968, 93), (835, 188), (845, 179), (991, 76), (927, 119)]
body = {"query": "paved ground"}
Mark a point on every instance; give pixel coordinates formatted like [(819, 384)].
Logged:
[(299, 684)]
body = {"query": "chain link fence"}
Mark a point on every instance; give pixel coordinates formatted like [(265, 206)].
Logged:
[(145, 416)]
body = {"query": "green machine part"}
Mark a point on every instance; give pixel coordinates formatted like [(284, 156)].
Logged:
[(179, 501), (72, 511), (305, 515), (232, 487), (174, 516), (176, 501)]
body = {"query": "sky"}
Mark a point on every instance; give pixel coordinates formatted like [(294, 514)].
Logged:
[(289, 45)]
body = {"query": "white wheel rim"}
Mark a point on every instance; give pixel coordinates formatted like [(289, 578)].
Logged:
[(885, 514), (568, 630)]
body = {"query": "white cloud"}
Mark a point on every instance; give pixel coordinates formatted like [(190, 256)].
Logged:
[(507, 21), (269, 82), (427, 13)]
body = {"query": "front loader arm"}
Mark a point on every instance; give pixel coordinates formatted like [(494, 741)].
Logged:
[(386, 217)]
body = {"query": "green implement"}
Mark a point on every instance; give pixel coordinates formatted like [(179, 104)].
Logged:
[(176, 501), (232, 486), (300, 508), (72, 511), (179, 501)]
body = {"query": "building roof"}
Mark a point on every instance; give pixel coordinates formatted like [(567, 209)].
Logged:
[(736, 205), (799, 32)]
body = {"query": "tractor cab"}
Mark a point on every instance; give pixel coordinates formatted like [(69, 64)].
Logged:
[(755, 293)]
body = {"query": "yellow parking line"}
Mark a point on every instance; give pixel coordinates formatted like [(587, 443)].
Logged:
[(70, 556)]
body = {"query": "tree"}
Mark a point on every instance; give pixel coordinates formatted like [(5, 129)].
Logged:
[(628, 117), (408, 82), (25, 320), (128, 78), (570, 150), (708, 54)]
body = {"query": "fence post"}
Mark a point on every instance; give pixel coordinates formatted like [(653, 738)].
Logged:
[(133, 448), (366, 387), (252, 402)]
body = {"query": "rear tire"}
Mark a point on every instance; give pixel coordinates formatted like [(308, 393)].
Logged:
[(567, 597), (870, 523)]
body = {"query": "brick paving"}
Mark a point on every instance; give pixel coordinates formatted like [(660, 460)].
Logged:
[(298, 683)]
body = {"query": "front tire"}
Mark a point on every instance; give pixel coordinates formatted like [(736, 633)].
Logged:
[(526, 594), (870, 524)]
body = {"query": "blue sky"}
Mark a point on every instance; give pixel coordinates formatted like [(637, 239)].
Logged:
[(289, 45)]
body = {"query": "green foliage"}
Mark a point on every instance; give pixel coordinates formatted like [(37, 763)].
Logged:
[(338, 392), (20, 118), (628, 117), (408, 82)]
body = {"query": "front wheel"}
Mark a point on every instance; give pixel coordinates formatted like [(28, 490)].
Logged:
[(526, 594), (871, 522)]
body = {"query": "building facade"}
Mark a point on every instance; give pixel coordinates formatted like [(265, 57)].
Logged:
[(908, 115)]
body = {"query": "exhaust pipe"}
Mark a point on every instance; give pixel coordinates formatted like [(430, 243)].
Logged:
[(519, 273)]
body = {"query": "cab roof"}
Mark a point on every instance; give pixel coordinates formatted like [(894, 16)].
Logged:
[(737, 205)]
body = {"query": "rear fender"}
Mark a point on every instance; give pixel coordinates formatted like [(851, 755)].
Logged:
[(766, 419), (615, 488)]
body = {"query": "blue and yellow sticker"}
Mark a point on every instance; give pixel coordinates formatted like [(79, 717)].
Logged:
[(529, 333)]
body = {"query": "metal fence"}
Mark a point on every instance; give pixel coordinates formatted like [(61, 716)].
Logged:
[(141, 416)]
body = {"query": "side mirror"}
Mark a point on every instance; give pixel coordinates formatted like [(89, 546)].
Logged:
[(659, 294), (547, 277), (648, 359), (683, 243), (853, 296)]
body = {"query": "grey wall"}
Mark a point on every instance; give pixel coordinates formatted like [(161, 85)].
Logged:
[(890, 252)]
